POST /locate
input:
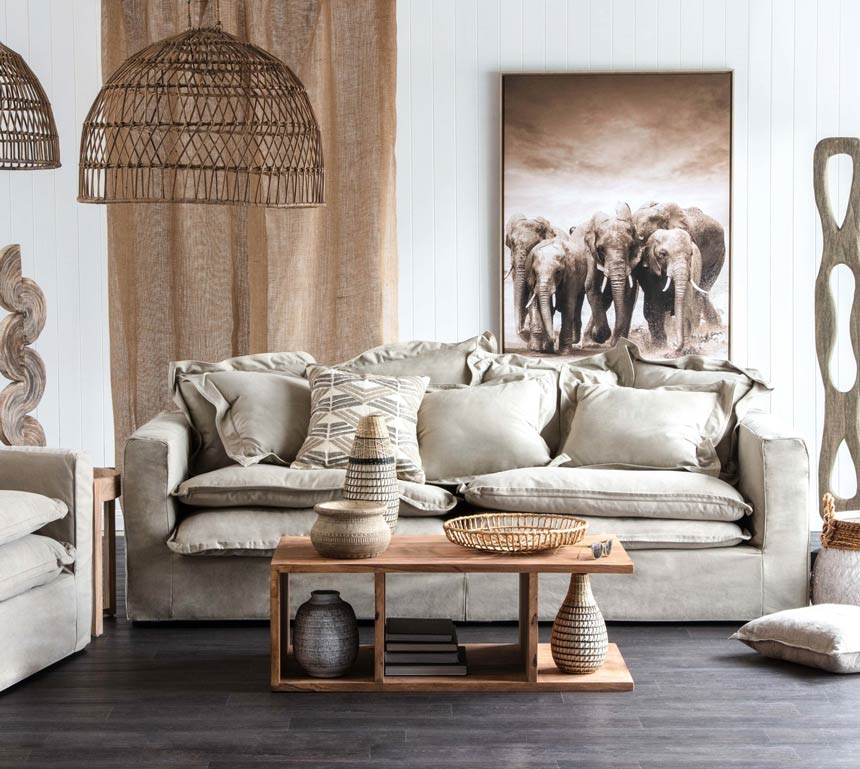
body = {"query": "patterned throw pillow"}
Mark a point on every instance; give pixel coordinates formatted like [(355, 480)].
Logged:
[(339, 398)]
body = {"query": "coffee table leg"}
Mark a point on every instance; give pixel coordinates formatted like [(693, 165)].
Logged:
[(529, 623), (379, 629)]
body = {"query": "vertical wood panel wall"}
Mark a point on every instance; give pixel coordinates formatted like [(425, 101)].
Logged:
[(63, 243), (796, 66)]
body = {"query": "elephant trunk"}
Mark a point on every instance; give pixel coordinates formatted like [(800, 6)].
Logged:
[(545, 305), (681, 279), (618, 285), (520, 300)]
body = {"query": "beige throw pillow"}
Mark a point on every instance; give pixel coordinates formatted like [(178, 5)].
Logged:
[(209, 451), (669, 428), (23, 512), (340, 398), (445, 363), (484, 429)]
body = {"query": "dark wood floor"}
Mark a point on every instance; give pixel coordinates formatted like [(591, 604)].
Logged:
[(197, 696)]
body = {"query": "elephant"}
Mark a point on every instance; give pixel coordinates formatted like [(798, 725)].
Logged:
[(671, 258), (556, 268), (707, 233), (521, 236), (615, 253)]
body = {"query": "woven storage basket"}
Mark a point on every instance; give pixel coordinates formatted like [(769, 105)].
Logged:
[(500, 532), (371, 473), (836, 533)]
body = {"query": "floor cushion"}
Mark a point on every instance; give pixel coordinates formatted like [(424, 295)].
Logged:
[(284, 487), (256, 531), (31, 561), (22, 512), (608, 493), (825, 636)]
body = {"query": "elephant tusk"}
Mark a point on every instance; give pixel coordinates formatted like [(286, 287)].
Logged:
[(600, 267), (603, 287), (508, 273), (630, 279), (529, 302), (668, 283), (699, 288)]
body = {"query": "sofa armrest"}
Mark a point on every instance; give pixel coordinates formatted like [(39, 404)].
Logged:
[(774, 476), (156, 461), (66, 475)]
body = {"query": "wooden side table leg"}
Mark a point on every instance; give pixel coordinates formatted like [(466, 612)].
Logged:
[(109, 558), (279, 625), (529, 624), (98, 577), (379, 629)]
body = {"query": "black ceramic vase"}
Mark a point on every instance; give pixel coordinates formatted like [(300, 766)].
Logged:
[(325, 638)]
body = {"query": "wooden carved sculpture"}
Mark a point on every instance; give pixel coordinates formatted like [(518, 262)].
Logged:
[(19, 362), (841, 246)]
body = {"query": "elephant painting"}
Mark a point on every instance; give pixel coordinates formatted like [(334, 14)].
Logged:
[(521, 236), (707, 233), (670, 258), (557, 271), (615, 253)]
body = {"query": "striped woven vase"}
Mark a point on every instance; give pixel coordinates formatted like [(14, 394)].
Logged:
[(579, 642), (371, 474)]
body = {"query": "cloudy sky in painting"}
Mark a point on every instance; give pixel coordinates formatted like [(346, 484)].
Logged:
[(575, 144)]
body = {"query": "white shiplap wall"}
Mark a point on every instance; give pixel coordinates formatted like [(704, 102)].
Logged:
[(796, 65), (63, 243)]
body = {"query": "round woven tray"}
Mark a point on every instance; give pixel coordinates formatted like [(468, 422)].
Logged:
[(838, 533), (515, 532)]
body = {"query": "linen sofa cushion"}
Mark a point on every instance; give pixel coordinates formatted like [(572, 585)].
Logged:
[(209, 451), (256, 531), (31, 561), (23, 512), (665, 534), (340, 398), (443, 362), (650, 373), (668, 428), (825, 636), (284, 487), (601, 368), (259, 416), (485, 429), (592, 493)]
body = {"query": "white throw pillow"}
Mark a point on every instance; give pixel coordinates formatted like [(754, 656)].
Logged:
[(668, 428), (825, 636), (340, 398), (22, 512)]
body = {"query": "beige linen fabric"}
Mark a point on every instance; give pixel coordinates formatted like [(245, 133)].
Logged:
[(23, 512), (446, 363), (825, 636), (31, 561), (484, 429), (669, 428), (209, 281)]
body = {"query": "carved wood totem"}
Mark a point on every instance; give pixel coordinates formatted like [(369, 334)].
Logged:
[(19, 362), (841, 246)]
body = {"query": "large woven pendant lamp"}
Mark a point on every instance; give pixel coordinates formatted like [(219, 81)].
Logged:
[(28, 134), (202, 117)]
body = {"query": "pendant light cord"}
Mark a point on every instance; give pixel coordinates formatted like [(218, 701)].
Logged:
[(217, 14)]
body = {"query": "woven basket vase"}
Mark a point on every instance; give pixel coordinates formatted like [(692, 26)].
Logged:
[(371, 473), (579, 642), (836, 576)]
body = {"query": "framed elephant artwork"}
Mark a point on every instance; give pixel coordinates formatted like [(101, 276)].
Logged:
[(616, 212)]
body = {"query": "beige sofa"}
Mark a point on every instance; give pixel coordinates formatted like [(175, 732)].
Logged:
[(705, 548), (45, 558)]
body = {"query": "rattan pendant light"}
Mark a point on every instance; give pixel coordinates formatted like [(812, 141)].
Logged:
[(28, 134), (202, 117)]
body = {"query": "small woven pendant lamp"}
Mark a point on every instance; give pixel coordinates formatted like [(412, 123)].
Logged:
[(28, 134), (202, 117)]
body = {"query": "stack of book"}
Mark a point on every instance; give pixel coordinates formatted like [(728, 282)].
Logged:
[(423, 647)]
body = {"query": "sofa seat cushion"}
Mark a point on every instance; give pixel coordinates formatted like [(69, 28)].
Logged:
[(663, 534), (284, 487), (22, 512), (602, 493), (256, 531), (31, 561)]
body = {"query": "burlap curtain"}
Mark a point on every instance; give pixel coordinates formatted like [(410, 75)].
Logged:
[(209, 281)]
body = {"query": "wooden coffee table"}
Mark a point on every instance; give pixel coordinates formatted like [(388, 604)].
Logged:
[(523, 666)]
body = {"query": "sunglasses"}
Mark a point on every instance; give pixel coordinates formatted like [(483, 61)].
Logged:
[(601, 549)]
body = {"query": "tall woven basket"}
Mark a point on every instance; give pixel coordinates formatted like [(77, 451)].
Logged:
[(579, 641), (836, 577), (371, 473)]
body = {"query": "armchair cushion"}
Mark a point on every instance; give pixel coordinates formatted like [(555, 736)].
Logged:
[(283, 487), (31, 561), (23, 512), (609, 493)]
